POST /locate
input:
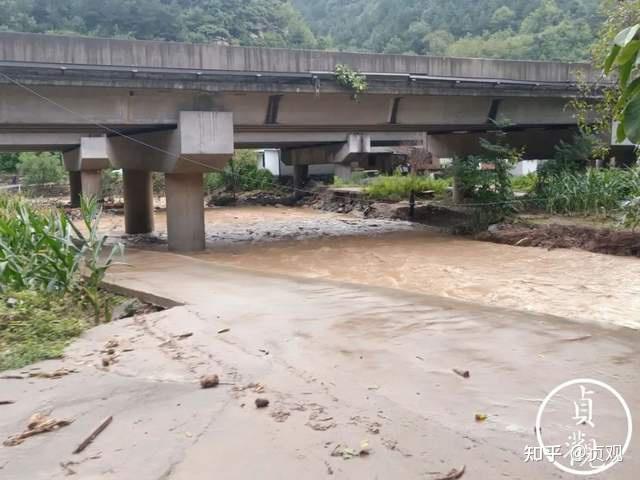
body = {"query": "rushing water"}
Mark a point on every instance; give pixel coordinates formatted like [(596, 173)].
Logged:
[(568, 283), (574, 284)]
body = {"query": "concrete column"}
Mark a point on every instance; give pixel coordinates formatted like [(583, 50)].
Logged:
[(91, 181), (75, 188), (344, 172), (185, 211), (138, 201), (300, 175)]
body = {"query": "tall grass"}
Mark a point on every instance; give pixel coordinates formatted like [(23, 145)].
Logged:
[(596, 191), (397, 187)]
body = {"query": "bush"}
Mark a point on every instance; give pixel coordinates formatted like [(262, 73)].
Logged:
[(595, 191), (569, 157), (397, 187), (9, 162), (40, 168), (525, 183), (242, 174), (112, 183)]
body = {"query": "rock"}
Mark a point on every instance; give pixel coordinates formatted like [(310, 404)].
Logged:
[(262, 403), (209, 381)]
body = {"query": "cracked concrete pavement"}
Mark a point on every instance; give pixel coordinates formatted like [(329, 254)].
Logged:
[(340, 364)]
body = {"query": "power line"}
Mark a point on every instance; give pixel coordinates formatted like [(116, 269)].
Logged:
[(125, 136)]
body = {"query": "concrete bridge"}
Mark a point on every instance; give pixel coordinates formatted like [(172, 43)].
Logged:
[(181, 109)]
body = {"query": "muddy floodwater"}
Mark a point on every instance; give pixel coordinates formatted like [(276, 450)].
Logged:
[(568, 283), (308, 243)]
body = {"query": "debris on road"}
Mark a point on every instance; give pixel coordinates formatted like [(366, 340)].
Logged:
[(209, 381), (224, 330), (7, 402), (38, 423), (348, 453), (97, 431), (61, 372), (462, 373), (107, 360), (262, 403), (480, 417), (454, 474), (182, 336)]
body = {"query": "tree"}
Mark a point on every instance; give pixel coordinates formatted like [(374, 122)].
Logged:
[(41, 168)]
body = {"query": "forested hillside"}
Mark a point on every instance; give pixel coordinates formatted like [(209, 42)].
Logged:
[(530, 29), (274, 23)]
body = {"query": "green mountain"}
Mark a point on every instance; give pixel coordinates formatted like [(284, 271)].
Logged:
[(525, 29), (273, 23)]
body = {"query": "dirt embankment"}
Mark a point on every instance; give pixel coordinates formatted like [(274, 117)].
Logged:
[(591, 239)]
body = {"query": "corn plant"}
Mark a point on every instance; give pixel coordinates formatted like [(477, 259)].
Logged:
[(37, 250), (43, 250), (592, 192)]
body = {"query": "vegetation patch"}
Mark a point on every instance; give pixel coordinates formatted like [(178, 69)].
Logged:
[(50, 277), (596, 191), (241, 175), (351, 79), (37, 326), (398, 187)]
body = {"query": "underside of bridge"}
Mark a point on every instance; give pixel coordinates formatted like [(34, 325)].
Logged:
[(182, 110)]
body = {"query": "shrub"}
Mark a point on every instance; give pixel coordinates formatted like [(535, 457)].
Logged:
[(40, 168), (525, 183), (9, 162), (569, 157), (112, 183), (242, 174), (397, 187)]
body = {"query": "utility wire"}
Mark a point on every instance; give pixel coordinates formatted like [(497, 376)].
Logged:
[(123, 135), (195, 162)]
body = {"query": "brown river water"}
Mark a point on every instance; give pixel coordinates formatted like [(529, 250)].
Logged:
[(573, 284)]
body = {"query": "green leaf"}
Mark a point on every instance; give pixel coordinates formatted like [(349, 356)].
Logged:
[(626, 35), (611, 58), (631, 119), (628, 53), (625, 73)]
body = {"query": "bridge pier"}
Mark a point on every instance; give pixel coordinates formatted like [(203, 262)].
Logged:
[(138, 201), (91, 182), (344, 172), (75, 189), (300, 176), (185, 212)]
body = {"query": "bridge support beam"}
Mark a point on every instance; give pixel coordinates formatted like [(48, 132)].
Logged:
[(75, 189), (185, 212), (91, 181), (138, 201), (300, 176), (344, 172), (355, 146)]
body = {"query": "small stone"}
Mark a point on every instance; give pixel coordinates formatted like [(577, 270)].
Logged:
[(106, 361), (209, 381), (262, 403)]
